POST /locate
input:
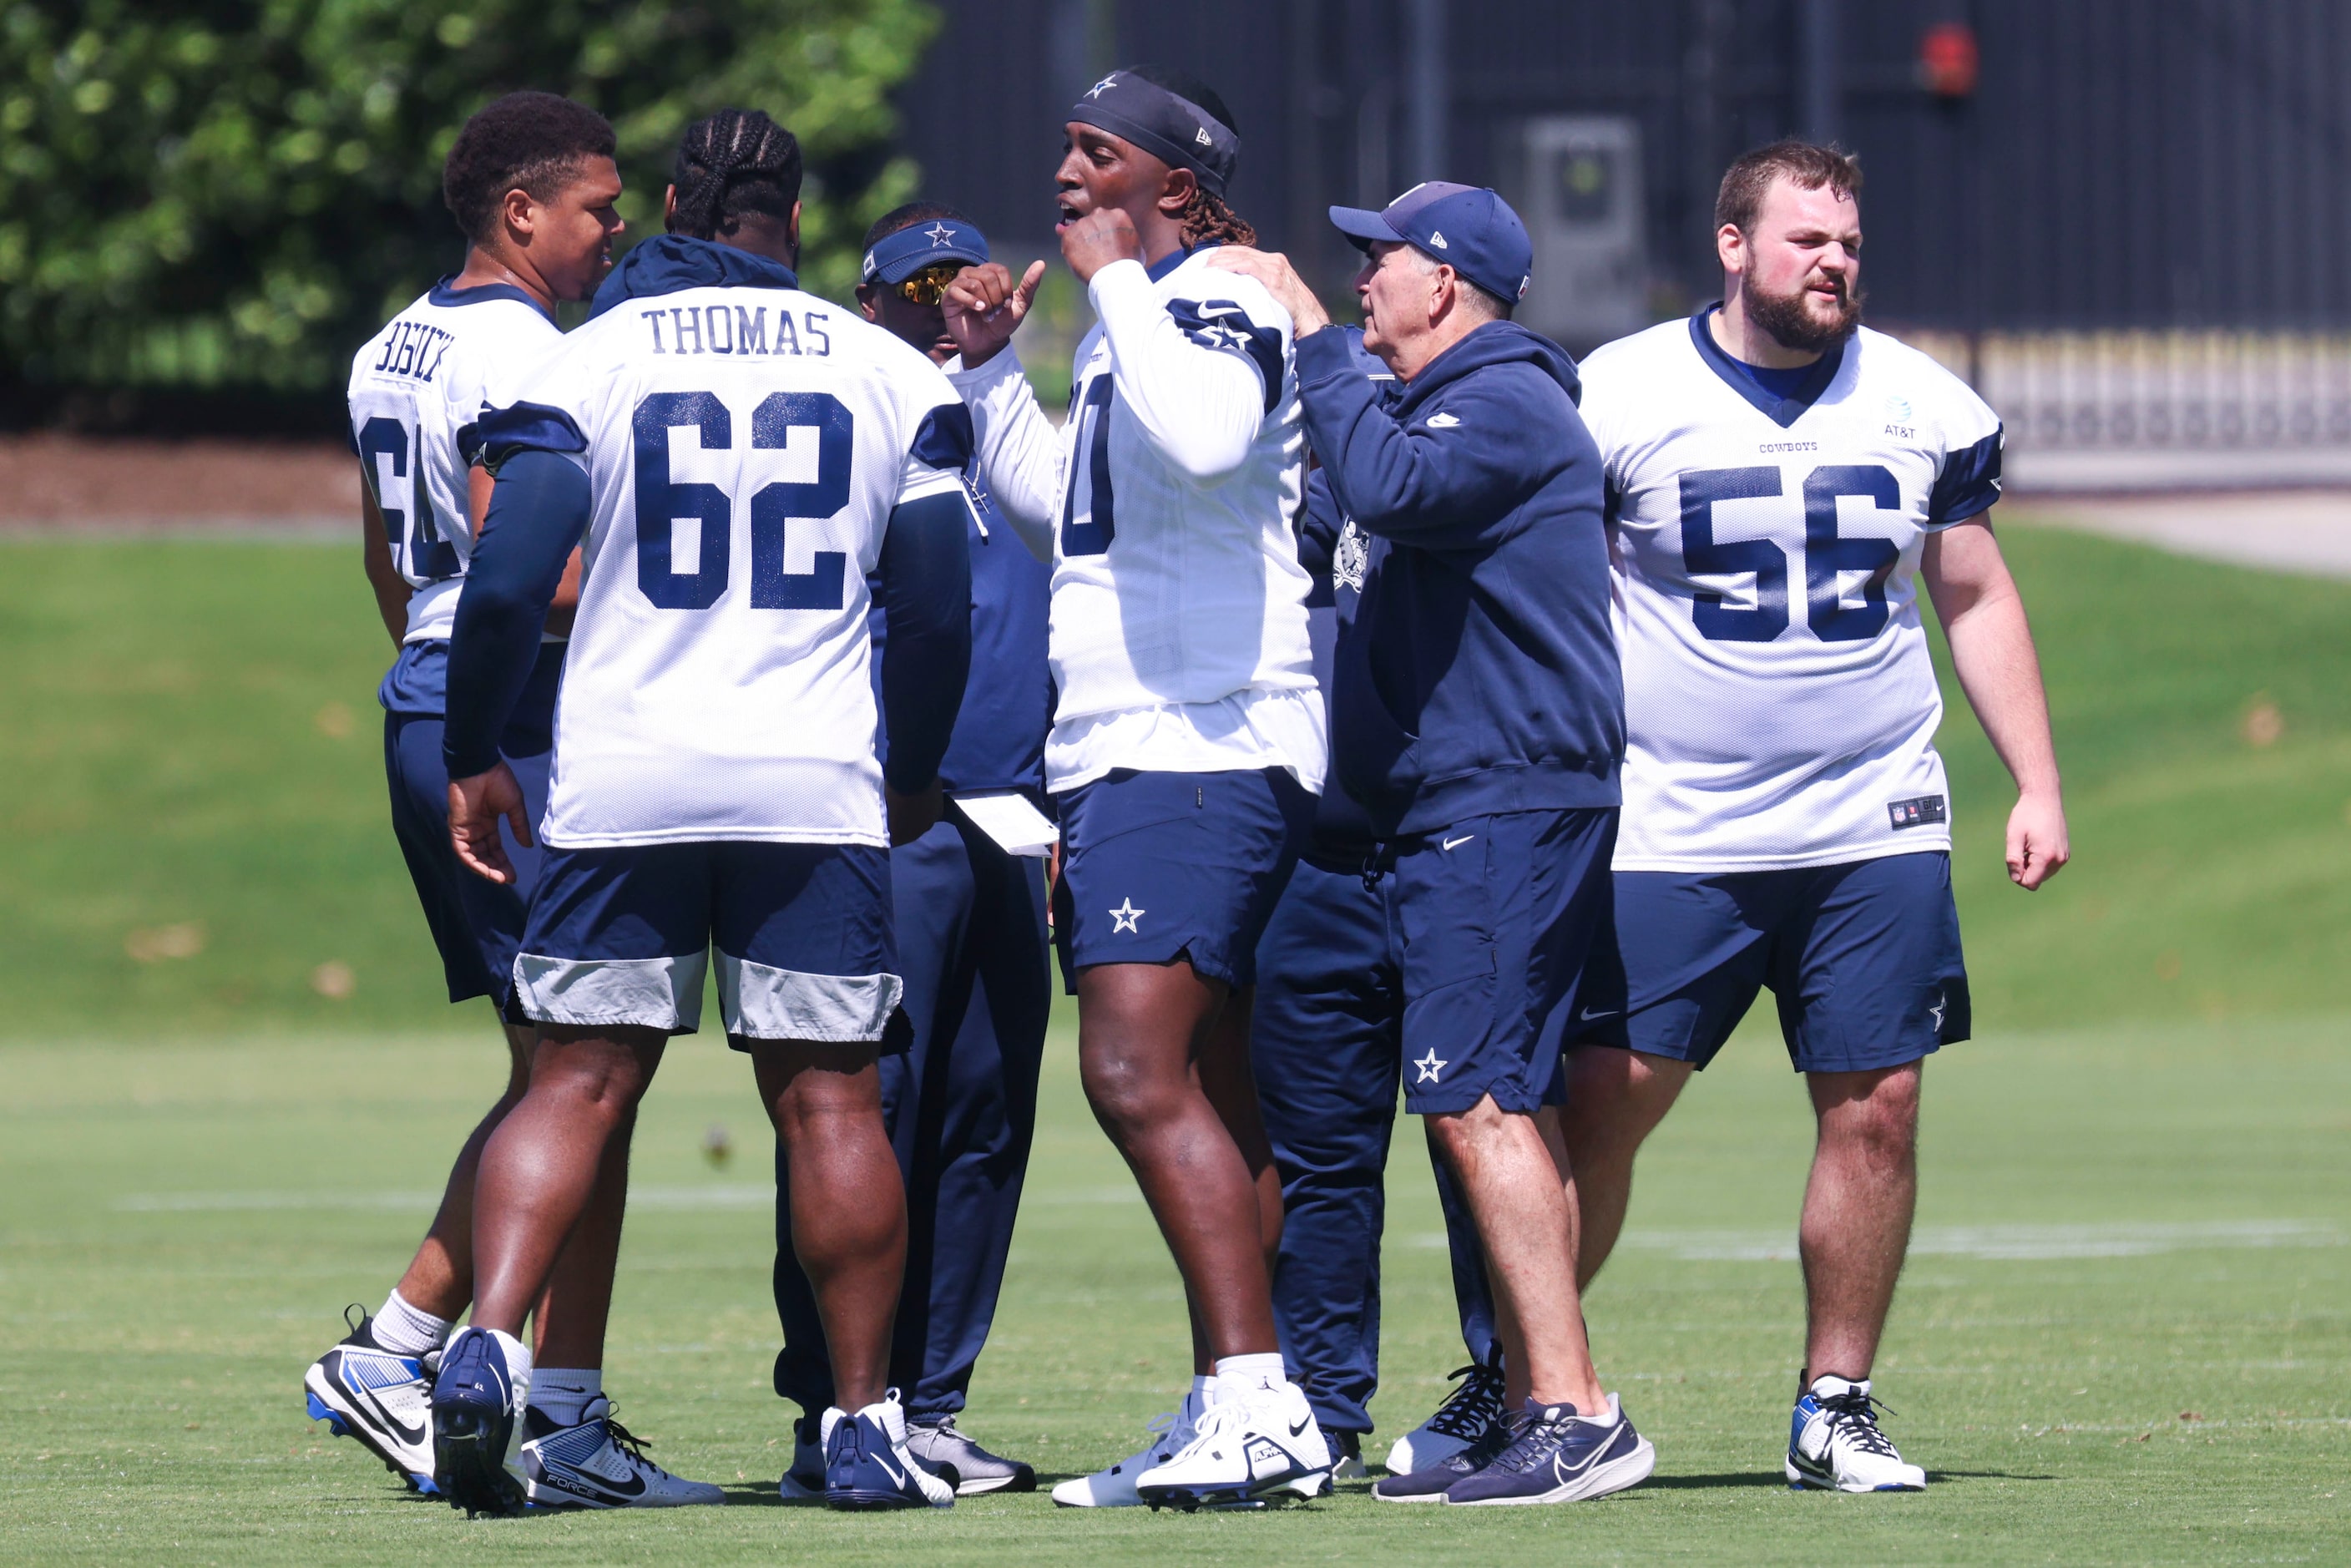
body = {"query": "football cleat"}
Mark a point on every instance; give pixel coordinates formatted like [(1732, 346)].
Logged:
[(1250, 1449), (599, 1463), (1469, 1413), (1431, 1482), (1114, 1487), (804, 1482), (478, 1405), (379, 1396), (866, 1464), (1558, 1456), (963, 1463), (1834, 1442)]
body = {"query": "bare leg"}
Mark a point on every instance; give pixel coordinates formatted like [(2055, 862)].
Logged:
[(1232, 1087), (1615, 1101), (568, 1321), (541, 1167), (440, 1279), (1857, 1210), (1514, 1180), (849, 1203), (1142, 1031)]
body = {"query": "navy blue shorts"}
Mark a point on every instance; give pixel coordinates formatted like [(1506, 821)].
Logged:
[(1500, 925), (805, 947), (475, 923), (1864, 960), (1158, 866)]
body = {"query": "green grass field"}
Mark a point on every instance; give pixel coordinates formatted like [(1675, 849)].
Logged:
[(2125, 1335)]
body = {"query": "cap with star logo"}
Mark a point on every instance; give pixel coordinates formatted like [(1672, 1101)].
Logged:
[(898, 256), (1468, 227)]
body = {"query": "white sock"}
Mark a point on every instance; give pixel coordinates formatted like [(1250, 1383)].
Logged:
[(404, 1331), (1241, 1374), (562, 1394)]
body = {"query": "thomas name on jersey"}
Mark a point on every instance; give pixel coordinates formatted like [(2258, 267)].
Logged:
[(736, 330)]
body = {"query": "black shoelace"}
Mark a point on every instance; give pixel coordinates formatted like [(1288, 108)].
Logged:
[(1854, 1414), (624, 1438), (1470, 1410)]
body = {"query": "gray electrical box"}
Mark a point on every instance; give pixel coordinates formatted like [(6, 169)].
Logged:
[(1578, 186)]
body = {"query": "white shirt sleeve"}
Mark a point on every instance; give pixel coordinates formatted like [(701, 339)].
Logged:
[(1021, 456), (1198, 388)]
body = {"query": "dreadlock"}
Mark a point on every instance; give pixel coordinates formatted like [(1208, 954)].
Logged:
[(1206, 219), (730, 166)]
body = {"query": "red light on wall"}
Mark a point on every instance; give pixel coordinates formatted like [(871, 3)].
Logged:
[(1948, 60)]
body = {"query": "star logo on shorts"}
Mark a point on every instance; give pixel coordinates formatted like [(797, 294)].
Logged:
[(1124, 916), (939, 234), (1936, 1012), (1430, 1067)]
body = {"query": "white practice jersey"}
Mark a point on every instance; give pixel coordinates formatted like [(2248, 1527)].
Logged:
[(1780, 701), (416, 390), (1165, 503), (745, 446)]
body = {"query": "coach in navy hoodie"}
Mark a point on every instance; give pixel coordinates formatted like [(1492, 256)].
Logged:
[(1477, 714)]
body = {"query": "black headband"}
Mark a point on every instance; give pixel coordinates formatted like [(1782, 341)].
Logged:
[(1171, 128)]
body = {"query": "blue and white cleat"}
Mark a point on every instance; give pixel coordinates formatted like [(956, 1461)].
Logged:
[(1834, 1442), (866, 1464), (1251, 1449), (1559, 1456), (599, 1464), (478, 1405), (1468, 1414), (377, 1396), (1114, 1487)]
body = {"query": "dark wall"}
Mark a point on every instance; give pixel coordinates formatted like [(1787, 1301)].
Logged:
[(2123, 162)]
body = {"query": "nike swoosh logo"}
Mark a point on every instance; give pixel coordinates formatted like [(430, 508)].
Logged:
[(1294, 1431), (891, 1470), (1464, 839), (363, 1394)]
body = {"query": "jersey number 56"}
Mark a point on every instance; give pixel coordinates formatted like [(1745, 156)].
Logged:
[(1827, 554)]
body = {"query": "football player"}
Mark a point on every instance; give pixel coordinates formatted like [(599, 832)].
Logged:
[(961, 1102), (1782, 479), (530, 179), (739, 456), (1188, 741)]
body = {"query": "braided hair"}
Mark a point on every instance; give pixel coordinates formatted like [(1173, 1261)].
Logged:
[(1206, 219), (730, 166)]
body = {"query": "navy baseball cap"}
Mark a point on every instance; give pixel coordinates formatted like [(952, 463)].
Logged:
[(1468, 227), (895, 257)]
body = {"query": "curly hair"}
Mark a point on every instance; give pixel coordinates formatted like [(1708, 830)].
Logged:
[(730, 166), (531, 141)]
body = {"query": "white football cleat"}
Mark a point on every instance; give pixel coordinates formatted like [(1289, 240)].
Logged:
[(1114, 1487), (1254, 1446), (379, 1398), (1468, 1414), (599, 1463), (1834, 1442)]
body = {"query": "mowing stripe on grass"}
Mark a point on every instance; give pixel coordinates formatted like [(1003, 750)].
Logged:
[(1999, 1243)]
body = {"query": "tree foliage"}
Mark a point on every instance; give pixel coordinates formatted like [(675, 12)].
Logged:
[(208, 191)]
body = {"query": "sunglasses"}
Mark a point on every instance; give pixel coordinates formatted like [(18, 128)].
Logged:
[(929, 286)]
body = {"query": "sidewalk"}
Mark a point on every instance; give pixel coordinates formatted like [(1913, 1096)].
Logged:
[(68, 486), (2274, 530)]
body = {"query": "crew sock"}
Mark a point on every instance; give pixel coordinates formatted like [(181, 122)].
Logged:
[(405, 1330), (1249, 1373), (562, 1394)]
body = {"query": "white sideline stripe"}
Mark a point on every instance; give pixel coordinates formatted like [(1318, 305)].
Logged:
[(1999, 1243), (741, 1195)]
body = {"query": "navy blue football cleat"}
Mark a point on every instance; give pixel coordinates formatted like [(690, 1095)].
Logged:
[(866, 1464), (477, 1422), (1559, 1456)]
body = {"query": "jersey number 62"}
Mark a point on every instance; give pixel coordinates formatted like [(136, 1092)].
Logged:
[(661, 503)]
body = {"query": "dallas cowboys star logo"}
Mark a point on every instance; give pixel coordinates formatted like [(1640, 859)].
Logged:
[(1124, 916), (1103, 85), (939, 234), (1430, 1067), (1936, 1012)]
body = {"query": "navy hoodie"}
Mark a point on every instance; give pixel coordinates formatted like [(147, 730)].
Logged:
[(1477, 673)]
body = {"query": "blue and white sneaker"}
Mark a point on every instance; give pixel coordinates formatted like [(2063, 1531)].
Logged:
[(1834, 1442), (379, 1396), (599, 1463), (478, 1402), (1559, 1456), (1255, 1446), (804, 1482), (866, 1464), (1114, 1487), (1469, 1413), (1346, 1453), (1431, 1482)]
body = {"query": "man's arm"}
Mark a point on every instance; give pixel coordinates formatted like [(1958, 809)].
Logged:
[(924, 583), (1199, 384), (478, 483), (392, 590), (1992, 649), (537, 512)]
